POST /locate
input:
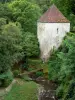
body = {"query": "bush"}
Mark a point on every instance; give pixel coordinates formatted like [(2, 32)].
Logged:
[(7, 82), (59, 91), (72, 19), (74, 29), (39, 73), (71, 91), (30, 44), (6, 78), (31, 69), (16, 73), (2, 22)]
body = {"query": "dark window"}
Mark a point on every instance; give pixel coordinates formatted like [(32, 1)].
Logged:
[(57, 30)]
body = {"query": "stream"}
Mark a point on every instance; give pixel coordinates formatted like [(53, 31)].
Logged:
[(46, 90)]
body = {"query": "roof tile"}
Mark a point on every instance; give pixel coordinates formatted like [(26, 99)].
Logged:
[(53, 15)]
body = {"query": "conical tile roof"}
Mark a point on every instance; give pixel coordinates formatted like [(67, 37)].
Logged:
[(53, 15)]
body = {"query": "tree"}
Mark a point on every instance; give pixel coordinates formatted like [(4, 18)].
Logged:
[(62, 68), (30, 45), (4, 1), (10, 47), (66, 6), (5, 12), (44, 4), (26, 13)]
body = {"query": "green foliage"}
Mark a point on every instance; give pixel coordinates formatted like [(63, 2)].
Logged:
[(6, 78), (67, 7), (30, 69), (56, 62), (71, 91), (30, 44), (16, 73), (35, 64), (62, 65), (4, 1), (74, 28), (39, 73), (72, 19), (10, 47), (5, 12), (26, 13), (11, 38), (44, 4), (2, 22)]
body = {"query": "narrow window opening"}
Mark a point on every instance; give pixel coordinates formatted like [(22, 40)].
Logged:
[(57, 30)]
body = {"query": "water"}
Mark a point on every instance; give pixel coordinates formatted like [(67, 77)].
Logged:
[(46, 94), (46, 90)]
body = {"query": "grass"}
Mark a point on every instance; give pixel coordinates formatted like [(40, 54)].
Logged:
[(36, 64), (23, 91)]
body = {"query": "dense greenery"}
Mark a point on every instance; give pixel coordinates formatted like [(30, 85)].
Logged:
[(67, 7), (26, 13), (10, 45), (18, 41), (5, 12), (62, 68), (30, 45), (4, 1), (17, 20)]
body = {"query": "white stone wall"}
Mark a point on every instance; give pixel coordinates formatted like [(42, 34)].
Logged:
[(50, 36)]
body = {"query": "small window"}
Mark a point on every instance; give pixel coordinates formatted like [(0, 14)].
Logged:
[(57, 30)]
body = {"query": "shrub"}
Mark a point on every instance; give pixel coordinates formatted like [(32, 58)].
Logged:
[(7, 82), (74, 28), (30, 69), (72, 19), (2, 22), (39, 73), (71, 91), (16, 73), (30, 44), (59, 91), (6, 78)]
